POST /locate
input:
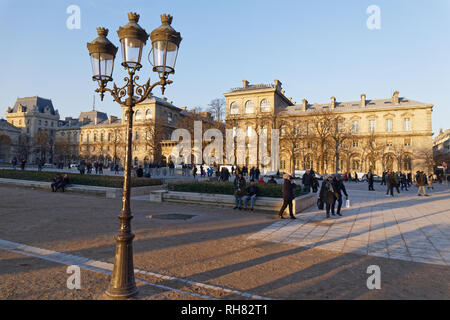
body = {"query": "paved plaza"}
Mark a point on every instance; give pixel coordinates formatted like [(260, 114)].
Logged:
[(406, 227), (220, 253)]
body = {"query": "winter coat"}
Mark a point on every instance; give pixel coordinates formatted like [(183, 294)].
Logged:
[(239, 187), (288, 190), (327, 193)]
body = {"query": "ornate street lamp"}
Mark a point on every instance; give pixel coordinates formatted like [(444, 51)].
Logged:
[(165, 44)]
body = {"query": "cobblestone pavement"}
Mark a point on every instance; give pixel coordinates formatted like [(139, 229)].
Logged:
[(213, 255), (405, 227)]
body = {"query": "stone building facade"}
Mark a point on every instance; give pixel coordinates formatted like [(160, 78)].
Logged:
[(38, 120), (393, 133), (96, 137), (441, 147), (9, 142)]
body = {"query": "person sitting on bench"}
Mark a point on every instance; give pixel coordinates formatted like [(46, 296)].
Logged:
[(64, 182)]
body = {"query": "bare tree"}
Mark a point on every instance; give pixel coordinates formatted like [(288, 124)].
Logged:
[(154, 133), (43, 143), (321, 127), (339, 134), (292, 136), (426, 155), (217, 108)]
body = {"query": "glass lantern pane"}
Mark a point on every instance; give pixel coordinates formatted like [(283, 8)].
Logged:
[(102, 65), (171, 58), (159, 55), (131, 51)]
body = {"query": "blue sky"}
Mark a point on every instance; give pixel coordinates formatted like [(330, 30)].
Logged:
[(318, 49)]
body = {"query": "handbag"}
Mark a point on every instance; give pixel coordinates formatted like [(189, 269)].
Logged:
[(347, 203), (320, 204)]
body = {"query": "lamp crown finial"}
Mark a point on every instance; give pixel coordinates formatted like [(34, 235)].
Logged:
[(133, 17), (166, 19), (102, 32)]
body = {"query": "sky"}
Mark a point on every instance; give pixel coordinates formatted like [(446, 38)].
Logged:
[(317, 49)]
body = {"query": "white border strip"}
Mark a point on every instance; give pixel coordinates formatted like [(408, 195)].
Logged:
[(106, 268)]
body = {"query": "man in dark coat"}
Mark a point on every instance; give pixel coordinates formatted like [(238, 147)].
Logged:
[(370, 180), (239, 191), (339, 188), (288, 195), (307, 180), (327, 194), (391, 182)]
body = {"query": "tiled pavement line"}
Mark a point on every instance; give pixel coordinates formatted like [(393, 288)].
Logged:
[(400, 228), (106, 268)]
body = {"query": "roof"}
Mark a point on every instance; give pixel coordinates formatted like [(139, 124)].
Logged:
[(92, 115), (6, 126), (353, 105), (33, 103)]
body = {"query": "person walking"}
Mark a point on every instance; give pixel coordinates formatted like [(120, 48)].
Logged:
[(239, 191), (421, 180), (430, 181), (383, 178), (403, 182), (370, 180), (327, 194), (339, 187), (194, 172), (390, 182), (288, 195), (307, 181)]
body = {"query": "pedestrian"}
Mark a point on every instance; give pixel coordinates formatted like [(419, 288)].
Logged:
[(315, 183), (338, 186), (421, 180), (116, 169), (349, 177), (307, 181), (22, 164), (252, 192), (327, 194), (383, 178), (239, 191), (56, 180), (430, 182), (257, 173), (370, 180), (14, 163), (194, 172), (100, 168), (390, 182), (288, 195), (356, 177), (403, 182)]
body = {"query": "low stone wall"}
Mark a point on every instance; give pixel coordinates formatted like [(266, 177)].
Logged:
[(300, 203), (107, 192)]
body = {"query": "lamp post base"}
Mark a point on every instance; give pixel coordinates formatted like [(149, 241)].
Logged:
[(122, 284)]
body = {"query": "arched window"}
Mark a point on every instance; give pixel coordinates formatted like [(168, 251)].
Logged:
[(138, 115), (234, 108), (264, 106), (148, 114), (249, 107)]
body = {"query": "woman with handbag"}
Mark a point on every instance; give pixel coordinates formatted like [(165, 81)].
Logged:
[(328, 194)]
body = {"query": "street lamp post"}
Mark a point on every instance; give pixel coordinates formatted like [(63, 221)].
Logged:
[(165, 44)]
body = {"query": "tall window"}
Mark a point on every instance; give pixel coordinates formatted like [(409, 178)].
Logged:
[(407, 142), (249, 131), (283, 164), (407, 124), (389, 125), (249, 107), (355, 126), (138, 115), (264, 106), (234, 108), (101, 137), (371, 126), (148, 114), (169, 117)]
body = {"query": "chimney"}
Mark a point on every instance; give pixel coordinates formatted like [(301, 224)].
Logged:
[(245, 83), (277, 84), (363, 100), (112, 119), (333, 103), (184, 108), (395, 99), (304, 104)]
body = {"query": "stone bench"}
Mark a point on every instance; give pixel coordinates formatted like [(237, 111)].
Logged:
[(262, 203), (107, 192)]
